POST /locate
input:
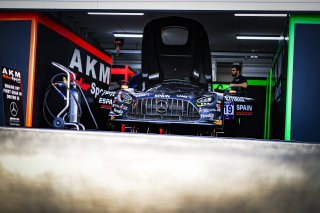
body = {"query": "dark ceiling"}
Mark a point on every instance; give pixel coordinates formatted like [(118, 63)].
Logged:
[(222, 28)]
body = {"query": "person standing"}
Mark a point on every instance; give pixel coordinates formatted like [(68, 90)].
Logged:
[(239, 83), (238, 80)]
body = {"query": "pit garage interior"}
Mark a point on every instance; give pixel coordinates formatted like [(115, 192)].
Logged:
[(271, 165)]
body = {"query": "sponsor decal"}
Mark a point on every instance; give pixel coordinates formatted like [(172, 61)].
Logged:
[(209, 110), (96, 91), (210, 116), (244, 109), (105, 106), (109, 93), (138, 95), (12, 97), (105, 101), (91, 67), (11, 74), (162, 96), (12, 92), (218, 106), (234, 98), (161, 106), (182, 96), (82, 85), (241, 107), (13, 109), (244, 113)]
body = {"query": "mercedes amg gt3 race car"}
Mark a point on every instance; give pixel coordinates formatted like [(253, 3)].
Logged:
[(177, 103), (176, 81)]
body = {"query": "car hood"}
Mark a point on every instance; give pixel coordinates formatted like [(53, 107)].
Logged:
[(175, 88)]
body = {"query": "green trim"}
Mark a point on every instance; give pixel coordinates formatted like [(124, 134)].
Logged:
[(295, 19), (305, 19), (266, 112), (224, 86), (251, 82), (257, 82), (269, 103), (287, 133)]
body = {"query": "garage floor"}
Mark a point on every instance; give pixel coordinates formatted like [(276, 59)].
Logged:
[(70, 171)]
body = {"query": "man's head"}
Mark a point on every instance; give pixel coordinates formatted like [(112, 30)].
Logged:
[(235, 70)]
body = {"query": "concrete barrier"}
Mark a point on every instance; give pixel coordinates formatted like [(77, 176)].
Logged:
[(71, 171)]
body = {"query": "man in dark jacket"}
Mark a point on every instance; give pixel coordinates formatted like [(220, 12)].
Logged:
[(238, 80), (239, 84)]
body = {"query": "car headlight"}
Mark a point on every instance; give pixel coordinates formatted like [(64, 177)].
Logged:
[(124, 97), (204, 101)]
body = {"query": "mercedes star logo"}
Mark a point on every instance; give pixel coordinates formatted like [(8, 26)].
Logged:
[(13, 109), (161, 106)]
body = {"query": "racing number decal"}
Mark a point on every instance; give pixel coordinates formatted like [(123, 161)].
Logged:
[(228, 108)]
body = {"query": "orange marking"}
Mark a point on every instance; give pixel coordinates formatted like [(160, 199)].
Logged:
[(31, 73)]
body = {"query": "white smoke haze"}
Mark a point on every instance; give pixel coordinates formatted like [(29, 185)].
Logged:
[(69, 171)]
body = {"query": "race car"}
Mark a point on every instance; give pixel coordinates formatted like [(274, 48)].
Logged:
[(176, 82), (177, 103)]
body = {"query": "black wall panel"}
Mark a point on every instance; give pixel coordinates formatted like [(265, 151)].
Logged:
[(305, 121), (253, 127), (14, 53), (278, 97), (53, 47)]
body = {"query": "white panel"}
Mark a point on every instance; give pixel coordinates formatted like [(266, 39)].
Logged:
[(214, 70), (224, 72), (256, 5), (256, 70)]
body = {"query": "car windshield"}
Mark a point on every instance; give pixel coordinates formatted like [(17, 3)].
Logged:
[(174, 86)]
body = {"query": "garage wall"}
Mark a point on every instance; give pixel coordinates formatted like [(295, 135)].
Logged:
[(254, 5), (23, 62), (55, 47), (305, 118), (14, 54)]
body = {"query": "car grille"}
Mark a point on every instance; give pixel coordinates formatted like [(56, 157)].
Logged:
[(163, 109)]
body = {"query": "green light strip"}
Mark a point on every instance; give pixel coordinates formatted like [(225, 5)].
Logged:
[(306, 19), (224, 86), (266, 111), (287, 133), (269, 102), (251, 82), (257, 82)]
